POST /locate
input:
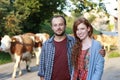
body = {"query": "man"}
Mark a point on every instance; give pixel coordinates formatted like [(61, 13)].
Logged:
[(55, 60)]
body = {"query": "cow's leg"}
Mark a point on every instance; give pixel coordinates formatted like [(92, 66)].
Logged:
[(28, 65), (16, 65), (19, 68), (28, 61), (37, 53), (37, 58), (108, 48), (104, 46)]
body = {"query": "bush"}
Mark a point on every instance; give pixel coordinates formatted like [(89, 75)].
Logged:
[(114, 54), (5, 58)]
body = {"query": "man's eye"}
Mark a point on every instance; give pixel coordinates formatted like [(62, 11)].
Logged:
[(54, 25), (61, 24)]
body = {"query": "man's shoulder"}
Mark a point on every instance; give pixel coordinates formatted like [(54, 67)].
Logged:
[(70, 37)]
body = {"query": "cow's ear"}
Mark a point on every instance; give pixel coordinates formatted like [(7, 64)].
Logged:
[(13, 40)]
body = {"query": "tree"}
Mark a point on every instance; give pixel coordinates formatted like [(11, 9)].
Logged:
[(32, 13), (83, 6), (11, 25), (20, 16), (5, 12)]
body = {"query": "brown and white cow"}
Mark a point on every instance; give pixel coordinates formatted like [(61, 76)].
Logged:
[(20, 48), (39, 39), (43, 36), (37, 46), (107, 41)]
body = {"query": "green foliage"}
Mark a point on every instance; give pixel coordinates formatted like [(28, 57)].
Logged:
[(69, 30), (114, 54), (69, 21), (91, 18), (45, 27), (27, 15), (24, 8), (110, 27), (11, 26), (4, 11), (4, 58), (32, 13), (83, 6), (96, 31)]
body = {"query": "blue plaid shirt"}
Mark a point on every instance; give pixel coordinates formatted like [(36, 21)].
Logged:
[(47, 57)]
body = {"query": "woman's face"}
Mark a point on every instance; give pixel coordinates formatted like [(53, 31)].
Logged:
[(82, 31)]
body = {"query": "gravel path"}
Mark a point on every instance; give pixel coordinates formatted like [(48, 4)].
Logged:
[(111, 71), (7, 69)]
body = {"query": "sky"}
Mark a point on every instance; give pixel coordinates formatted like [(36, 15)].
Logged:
[(110, 6), (68, 8)]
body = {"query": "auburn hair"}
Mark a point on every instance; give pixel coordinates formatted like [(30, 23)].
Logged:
[(76, 50)]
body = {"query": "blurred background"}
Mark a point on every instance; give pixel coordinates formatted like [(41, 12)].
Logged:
[(22, 16)]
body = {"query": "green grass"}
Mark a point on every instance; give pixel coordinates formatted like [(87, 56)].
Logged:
[(114, 54), (4, 58)]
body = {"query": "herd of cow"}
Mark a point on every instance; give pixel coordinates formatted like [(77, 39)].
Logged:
[(22, 47), (107, 41)]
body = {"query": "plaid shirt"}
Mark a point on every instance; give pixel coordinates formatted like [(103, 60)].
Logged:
[(47, 57)]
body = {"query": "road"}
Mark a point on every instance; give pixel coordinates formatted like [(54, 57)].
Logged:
[(111, 71), (7, 69)]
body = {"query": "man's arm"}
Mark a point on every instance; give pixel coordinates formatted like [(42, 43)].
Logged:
[(41, 70), (103, 52)]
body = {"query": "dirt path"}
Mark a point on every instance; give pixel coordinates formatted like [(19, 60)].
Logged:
[(7, 69), (111, 71)]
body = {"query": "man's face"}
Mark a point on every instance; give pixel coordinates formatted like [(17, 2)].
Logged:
[(58, 26)]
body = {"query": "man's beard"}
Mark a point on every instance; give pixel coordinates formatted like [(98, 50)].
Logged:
[(60, 34)]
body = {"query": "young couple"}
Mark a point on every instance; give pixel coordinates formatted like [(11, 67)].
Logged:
[(64, 57)]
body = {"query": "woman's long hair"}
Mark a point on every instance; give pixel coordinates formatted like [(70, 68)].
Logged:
[(76, 50)]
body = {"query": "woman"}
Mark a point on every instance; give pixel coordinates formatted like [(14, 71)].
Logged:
[(88, 64)]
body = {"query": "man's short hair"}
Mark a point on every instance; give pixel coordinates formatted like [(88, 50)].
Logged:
[(56, 16)]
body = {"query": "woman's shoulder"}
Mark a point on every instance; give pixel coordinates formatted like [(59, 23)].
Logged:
[(96, 42)]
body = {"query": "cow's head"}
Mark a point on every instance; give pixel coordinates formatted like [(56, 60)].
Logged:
[(5, 43), (38, 42)]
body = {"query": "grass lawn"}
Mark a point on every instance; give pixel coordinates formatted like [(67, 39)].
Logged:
[(113, 54), (4, 58)]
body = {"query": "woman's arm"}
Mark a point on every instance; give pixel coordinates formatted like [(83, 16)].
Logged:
[(98, 69), (99, 64)]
